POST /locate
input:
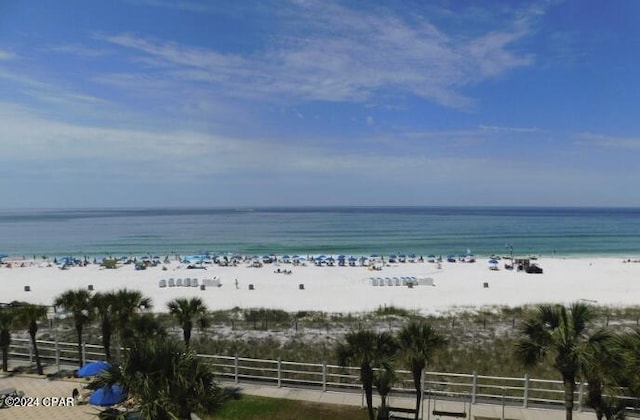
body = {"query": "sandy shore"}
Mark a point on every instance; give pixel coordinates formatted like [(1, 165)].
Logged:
[(605, 281)]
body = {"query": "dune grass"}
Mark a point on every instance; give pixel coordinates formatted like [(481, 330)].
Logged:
[(262, 408)]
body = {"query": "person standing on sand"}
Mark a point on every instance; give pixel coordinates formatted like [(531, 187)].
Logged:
[(237, 287)]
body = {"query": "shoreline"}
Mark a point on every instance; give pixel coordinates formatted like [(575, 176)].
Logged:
[(603, 281)]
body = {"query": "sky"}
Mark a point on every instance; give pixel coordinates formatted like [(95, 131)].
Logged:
[(156, 103)]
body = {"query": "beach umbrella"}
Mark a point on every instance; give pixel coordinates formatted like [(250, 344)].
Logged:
[(107, 395), (493, 261), (93, 368)]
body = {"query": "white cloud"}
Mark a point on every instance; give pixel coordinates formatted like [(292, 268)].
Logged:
[(328, 52)]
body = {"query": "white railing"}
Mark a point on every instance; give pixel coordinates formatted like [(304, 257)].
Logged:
[(523, 392)]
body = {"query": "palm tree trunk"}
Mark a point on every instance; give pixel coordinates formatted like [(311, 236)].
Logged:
[(383, 414), (569, 388), (417, 383), (79, 332), (36, 353), (106, 342), (186, 334), (366, 373)]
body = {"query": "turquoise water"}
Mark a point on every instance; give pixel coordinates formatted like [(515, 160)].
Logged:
[(345, 230)]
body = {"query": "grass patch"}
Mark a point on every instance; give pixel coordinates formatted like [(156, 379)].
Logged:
[(261, 408)]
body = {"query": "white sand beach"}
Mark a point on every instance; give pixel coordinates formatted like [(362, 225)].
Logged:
[(603, 281)]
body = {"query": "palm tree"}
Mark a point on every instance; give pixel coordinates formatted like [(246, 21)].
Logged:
[(29, 315), (143, 327), (6, 325), (167, 380), (129, 304), (78, 303), (418, 342), (605, 376), (383, 379), (367, 349), (185, 310), (560, 333), (104, 305)]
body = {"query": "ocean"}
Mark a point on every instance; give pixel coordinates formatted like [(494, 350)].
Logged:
[(322, 230)]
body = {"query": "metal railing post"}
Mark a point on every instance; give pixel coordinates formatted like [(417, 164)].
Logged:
[(324, 376), (474, 387), (235, 366), (525, 397), (279, 372), (57, 353), (580, 396)]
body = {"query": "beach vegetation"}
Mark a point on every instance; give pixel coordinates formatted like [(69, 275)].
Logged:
[(368, 350), (143, 327), (128, 306), (267, 318), (187, 311), (7, 320), (78, 304), (419, 341), (166, 380), (29, 315), (559, 335), (104, 305), (393, 311), (605, 377)]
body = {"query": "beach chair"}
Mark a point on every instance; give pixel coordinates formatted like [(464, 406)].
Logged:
[(404, 281), (380, 281), (194, 282), (396, 281), (373, 281), (162, 283), (172, 282), (179, 283), (186, 282), (387, 281)]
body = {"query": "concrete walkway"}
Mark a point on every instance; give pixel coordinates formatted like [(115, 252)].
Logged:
[(45, 392)]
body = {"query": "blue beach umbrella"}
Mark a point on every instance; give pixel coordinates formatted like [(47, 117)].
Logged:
[(93, 368), (107, 395), (493, 261)]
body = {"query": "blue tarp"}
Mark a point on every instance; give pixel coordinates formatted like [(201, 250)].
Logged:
[(93, 368), (107, 395)]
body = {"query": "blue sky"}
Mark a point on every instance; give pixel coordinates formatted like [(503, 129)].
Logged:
[(260, 103)]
